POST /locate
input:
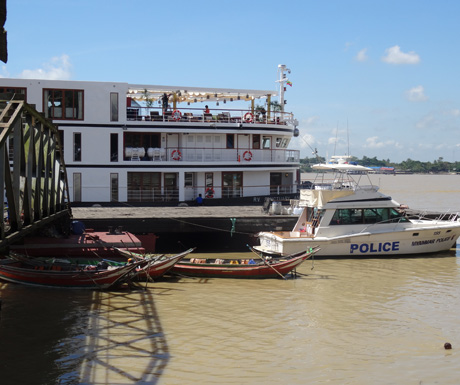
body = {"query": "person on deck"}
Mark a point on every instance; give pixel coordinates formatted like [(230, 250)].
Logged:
[(164, 100), (206, 110), (199, 200)]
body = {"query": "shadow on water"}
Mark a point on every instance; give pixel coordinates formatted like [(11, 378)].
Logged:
[(79, 337)]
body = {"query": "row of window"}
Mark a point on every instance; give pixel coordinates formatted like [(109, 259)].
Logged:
[(152, 140), (367, 216), (63, 104), (147, 186)]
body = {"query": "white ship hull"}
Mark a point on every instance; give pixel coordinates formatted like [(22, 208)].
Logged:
[(347, 220), (407, 241)]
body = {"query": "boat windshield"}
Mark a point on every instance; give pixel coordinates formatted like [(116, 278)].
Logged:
[(366, 216)]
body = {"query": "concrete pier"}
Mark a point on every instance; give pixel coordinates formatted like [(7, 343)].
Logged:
[(209, 228)]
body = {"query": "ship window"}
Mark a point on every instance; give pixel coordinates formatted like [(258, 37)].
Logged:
[(114, 187), (63, 104), (14, 90), (77, 187), (347, 217), (144, 186), (143, 140), (232, 184), (114, 147), (77, 147), (209, 179), (396, 216), (266, 142), (278, 142), (367, 216), (230, 140), (256, 141), (114, 106), (188, 179)]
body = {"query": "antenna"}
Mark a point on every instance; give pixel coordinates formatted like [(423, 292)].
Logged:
[(348, 140), (336, 134)]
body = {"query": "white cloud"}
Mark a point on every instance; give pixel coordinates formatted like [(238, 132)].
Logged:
[(440, 120), (428, 121), (416, 94), (4, 73), (307, 140), (362, 55), (375, 142), (394, 55), (311, 121), (58, 68), (348, 44)]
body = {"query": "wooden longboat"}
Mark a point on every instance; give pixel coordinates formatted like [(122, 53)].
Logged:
[(64, 277), (263, 268)]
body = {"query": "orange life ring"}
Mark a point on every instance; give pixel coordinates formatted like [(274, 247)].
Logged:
[(209, 192), (176, 155), (247, 155), (176, 115), (248, 117)]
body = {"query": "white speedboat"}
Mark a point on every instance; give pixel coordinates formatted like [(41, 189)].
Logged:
[(346, 219)]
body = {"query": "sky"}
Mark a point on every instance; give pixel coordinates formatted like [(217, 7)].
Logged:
[(369, 78)]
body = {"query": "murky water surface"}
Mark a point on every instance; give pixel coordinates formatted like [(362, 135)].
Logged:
[(370, 321)]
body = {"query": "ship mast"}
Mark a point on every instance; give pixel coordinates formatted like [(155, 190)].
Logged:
[(283, 79)]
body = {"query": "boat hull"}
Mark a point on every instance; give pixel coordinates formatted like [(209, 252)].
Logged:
[(407, 241), (259, 271), (88, 244), (75, 279), (159, 267)]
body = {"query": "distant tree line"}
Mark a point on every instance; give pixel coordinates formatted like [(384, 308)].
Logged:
[(409, 165)]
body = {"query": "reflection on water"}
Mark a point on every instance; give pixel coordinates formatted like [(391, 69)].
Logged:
[(379, 321), (124, 342), (339, 323)]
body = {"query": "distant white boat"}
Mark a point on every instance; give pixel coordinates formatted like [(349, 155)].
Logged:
[(347, 219)]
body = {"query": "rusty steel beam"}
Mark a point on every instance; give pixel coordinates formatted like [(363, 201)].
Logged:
[(32, 171)]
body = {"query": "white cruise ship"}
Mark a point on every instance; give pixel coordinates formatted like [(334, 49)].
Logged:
[(168, 144)]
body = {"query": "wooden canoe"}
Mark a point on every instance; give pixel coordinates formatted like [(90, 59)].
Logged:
[(70, 277), (261, 268), (156, 266)]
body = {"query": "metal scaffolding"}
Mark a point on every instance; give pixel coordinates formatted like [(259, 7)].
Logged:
[(32, 171)]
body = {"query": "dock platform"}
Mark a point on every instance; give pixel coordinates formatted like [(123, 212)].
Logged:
[(209, 228)]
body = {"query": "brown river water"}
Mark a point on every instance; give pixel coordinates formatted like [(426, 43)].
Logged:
[(341, 321)]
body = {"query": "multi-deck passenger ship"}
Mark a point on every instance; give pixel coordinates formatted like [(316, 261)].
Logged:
[(145, 143)]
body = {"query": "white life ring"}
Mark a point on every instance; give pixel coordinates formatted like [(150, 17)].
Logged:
[(247, 156), (209, 192), (248, 117), (176, 115), (176, 155)]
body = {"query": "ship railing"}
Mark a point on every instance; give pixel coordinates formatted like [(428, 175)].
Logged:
[(201, 154), (257, 193), (153, 194), (198, 115), (171, 194)]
